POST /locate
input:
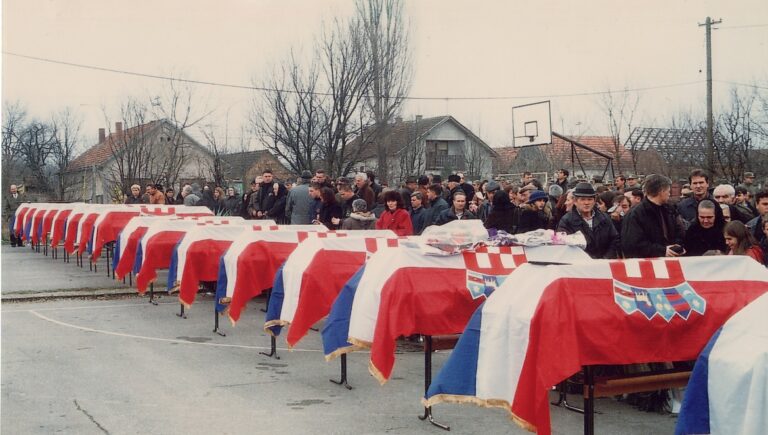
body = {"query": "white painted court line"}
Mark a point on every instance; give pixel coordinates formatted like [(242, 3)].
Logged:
[(89, 307), (165, 340)]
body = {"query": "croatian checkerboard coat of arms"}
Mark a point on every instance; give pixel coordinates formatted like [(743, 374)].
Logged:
[(488, 267), (654, 288)]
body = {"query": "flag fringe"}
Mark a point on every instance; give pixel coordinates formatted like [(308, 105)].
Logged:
[(376, 373), (483, 403), (341, 351), (271, 323), (362, 344)]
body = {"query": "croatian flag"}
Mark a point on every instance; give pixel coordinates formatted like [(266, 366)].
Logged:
[(127, 243), (312, 276), (156, 249), (48, 220), (250, 265), (27, 219), (58, 229), (198, 256), (546, 322), (728, 390), (36, 227), (17, 224), (108, 225), (174, 210), (404, 292)]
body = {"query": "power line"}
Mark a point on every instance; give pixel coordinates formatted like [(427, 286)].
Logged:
[(266, 89), (747, 26), (746, 85)]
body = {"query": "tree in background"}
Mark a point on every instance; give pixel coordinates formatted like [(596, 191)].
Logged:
[(620, 109), (388, 44)]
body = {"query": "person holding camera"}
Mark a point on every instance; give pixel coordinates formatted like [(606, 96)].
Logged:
[(602, 237), (652, 228)]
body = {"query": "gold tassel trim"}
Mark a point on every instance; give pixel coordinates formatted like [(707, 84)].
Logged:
[(341, 351), (272, 323), (376, 373), (362, 344), (483, 403)]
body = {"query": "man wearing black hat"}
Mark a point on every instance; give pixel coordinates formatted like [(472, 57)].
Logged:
[(297, 205), (454, 185), (602, 237)]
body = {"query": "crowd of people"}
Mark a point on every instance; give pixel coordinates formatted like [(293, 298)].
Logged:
[(630, 218)]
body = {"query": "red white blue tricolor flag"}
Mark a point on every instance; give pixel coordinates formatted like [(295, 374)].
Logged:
[(403, 292), (546, 322), (728, 390)]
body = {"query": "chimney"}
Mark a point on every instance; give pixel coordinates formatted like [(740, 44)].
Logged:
[(419, 118), (102, 135), (119, 127)]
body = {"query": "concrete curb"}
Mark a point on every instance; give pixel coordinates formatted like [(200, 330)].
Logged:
[(79, 293)]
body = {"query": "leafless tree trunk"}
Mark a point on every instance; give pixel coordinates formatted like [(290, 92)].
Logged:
[(387, 37), (218, 148), (14, 115), (35, 146), (620, 109), (66, 125), (736, 132), (347, 73), (475, 159), (288, 119)]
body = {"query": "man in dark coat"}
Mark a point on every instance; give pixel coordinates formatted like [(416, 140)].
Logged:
[(436, 203), (12, 201), (602, 237), (699, 181), (419, 214), (651, 228)]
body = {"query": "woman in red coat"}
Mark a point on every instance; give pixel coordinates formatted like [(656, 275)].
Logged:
[(395, 217)]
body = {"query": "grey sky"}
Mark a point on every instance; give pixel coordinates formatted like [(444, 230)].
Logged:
[(460, 49)]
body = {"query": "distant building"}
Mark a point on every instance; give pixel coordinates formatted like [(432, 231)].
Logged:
[(240, 168), (155, 152), (437, 145), (601, 155)]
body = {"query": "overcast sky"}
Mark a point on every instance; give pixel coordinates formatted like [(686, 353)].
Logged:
[(460, 49)]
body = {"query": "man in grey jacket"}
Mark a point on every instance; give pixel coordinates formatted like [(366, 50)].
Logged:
[(297, 205)]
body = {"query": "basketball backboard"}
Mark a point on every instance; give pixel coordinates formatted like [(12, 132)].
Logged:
[(531, 124)]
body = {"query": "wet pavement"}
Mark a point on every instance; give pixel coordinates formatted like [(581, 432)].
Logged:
[(121, 365)]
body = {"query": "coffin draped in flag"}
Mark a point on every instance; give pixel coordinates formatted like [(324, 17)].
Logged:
[(728, 390), (127, 242), (313, 275), (404, 292), (546, 322)]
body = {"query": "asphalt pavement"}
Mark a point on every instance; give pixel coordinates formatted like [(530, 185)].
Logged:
[(116, 364)]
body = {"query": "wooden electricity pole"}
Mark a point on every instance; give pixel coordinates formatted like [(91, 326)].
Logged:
[(710, 121)]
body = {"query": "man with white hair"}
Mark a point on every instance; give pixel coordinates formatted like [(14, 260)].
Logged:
[(363, 190), (725, 195)]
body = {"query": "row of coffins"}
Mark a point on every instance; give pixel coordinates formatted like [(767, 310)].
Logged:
[(531, 316)]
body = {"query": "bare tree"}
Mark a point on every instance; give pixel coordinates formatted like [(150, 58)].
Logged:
[(35, 147), (412, 157), (218, 147), (475, 159), (180, 107), (14, 116), (288, 118), (736, 133), (66, 125), (390, 65), (347, 73), (620, 108)]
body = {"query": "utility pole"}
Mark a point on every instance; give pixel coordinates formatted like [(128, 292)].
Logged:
[(710, 121)]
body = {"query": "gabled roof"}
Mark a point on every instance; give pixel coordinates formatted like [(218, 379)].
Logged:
[(100, 153), (559, 153), (402, 134), (237, 165)]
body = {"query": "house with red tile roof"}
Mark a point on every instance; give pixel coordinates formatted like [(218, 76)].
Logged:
[(583, 156), (153, 152), (436, 145)]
